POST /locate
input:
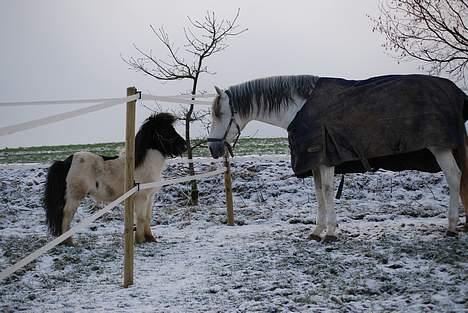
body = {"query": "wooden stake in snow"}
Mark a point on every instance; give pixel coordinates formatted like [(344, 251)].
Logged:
[(228, 189), (129, 182)]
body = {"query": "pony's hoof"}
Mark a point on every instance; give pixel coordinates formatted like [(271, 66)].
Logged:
[(329, 239), (68, 242), (315, 237), (450, 233), (150, 238), (139, 239)]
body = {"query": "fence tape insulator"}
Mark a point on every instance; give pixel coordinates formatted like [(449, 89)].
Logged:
[(87, 221)]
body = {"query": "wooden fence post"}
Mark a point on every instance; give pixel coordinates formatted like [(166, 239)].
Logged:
[(228, 189), (129, 183)]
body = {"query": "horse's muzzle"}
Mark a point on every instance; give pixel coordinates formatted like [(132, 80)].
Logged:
[(216, 149)]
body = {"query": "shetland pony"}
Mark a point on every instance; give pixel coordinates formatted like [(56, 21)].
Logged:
[(102, 178), (281, 100)]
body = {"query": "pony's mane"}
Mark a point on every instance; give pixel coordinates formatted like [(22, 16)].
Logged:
[(270, 93), (144, 136)]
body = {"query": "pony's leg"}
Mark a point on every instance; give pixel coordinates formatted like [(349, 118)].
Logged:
[(452, 173), (140, 216), (321, 212), (327, 175), (149, 214), (69, 211)]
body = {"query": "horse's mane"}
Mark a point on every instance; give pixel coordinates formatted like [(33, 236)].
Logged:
[(144, 137), (269, 93)]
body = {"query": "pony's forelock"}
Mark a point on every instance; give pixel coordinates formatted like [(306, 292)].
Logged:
[(163, 117)]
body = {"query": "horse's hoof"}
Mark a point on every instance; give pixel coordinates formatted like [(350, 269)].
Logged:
[(329, 239), (150, 238), (450, 233), (315, 237)]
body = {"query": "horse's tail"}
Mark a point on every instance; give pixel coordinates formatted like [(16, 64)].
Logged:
[(465, 109), (54, 195), (464, 166)]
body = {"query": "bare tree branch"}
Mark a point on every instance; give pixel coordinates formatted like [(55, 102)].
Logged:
[(203, 38), (433, 31)]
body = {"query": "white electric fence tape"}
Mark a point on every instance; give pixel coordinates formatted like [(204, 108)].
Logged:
[(207, 161), (175, 99), (106, 103), (87, 221), (24, 166), (8, 130), (50, 102), (25, 261)]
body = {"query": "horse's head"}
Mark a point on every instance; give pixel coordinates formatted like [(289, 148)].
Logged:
[(158, 133), (224, 127)]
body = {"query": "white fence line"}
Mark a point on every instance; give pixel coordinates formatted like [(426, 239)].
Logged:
[(25, 261), (168, 161), (122, 100), (87, 221), (174, 99), (265, 158), (8, 130)]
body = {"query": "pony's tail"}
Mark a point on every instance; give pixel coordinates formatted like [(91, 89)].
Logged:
[(54, 195)]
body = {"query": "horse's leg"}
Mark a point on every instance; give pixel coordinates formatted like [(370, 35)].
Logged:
[(149, 214), (452, 173), (464, 184), (321, 217), (328, 182)]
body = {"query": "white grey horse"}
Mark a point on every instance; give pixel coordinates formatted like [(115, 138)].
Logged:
[(280, 100), (102, 178)]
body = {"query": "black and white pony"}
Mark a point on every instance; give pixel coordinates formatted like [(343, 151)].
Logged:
[(277, 101), (102, 178)]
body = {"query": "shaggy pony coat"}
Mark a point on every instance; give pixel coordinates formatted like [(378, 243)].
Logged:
[(102, 178)]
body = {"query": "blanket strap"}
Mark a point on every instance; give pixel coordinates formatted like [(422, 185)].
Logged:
[(339, 192)]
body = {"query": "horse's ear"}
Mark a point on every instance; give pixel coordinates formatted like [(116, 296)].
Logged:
[(219, 91)]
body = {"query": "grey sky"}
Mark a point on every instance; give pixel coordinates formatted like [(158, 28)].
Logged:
[(71, 50)]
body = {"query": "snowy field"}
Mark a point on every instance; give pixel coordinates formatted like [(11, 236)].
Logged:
[(392, 256)]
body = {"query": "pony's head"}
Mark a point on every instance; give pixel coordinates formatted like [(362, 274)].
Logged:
[(158, 133), (224, 126)]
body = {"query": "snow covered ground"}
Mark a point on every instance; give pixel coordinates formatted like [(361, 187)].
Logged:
[(392, 255)]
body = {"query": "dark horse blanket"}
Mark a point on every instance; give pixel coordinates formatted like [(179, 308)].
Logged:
[(382, 122)]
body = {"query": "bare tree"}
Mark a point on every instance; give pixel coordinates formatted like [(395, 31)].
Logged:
[(203, 39), (433, 31)]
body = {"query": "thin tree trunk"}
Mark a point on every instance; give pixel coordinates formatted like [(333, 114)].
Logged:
[(188, 119)]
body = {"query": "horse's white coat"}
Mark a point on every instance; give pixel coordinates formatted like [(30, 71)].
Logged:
[(324, 175), (452, 173), (104, 181)]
